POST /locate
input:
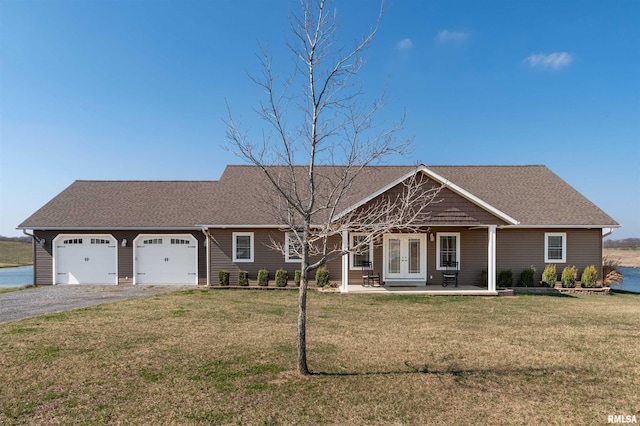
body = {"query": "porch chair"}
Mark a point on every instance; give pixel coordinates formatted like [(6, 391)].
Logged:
[(450, 274), (369, 278)]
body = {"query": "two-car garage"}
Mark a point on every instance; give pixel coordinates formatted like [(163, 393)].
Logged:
[(94, 258)]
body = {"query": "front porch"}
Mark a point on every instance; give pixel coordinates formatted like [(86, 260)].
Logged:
[(420, 262), (432, 289)]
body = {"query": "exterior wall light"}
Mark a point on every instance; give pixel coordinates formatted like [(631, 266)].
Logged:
[(124, 242)]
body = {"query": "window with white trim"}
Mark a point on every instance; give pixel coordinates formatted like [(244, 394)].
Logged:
[(364, 254), (292, 247), (152, 241), (243, 246), (447, 249), (555, 247)]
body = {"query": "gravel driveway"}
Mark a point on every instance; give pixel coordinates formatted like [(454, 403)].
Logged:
[(36, 301)]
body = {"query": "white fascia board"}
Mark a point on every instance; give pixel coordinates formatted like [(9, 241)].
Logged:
[(455, 188), (239, 226), (111, 228), (558, 226)]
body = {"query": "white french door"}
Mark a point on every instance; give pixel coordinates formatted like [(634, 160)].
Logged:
[(405, 258)]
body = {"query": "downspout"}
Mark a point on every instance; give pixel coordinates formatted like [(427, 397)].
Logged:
[(608, 233), (207, 237), (33, 251)]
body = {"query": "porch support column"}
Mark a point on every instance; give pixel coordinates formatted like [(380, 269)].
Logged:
[(345, 261), (491, 257)]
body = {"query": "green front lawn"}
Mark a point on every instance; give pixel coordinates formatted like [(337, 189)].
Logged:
[(228, 357)]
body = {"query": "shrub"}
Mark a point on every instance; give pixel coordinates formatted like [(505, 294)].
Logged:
[(549, 275), (589, 277), (609, 265), (281, 278), (569, 276), (485, 277), (526, 276), (322, 277), (243, 278), (505, 278), (223, 278), (297, 277), (263, 277)]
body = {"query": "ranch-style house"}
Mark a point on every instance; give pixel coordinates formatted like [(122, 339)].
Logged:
[(486, 219)]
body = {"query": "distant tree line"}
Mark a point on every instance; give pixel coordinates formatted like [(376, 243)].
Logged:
[(627, 243), (24, 239)]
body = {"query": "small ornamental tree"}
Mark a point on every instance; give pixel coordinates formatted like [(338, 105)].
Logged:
[(569, 276), (317, 114), (549, 275)]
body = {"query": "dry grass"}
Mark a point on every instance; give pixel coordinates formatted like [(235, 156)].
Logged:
[(628, 258), (227, 357), (15, 253)]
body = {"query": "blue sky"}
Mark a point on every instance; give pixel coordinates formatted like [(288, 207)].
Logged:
[(136, 89)]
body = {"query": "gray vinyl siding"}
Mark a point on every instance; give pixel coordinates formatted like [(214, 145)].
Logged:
[(43, 266), (447, 208), (518, 249), (264, 257)]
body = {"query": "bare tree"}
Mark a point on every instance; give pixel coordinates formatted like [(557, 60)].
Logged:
[(317, 116)]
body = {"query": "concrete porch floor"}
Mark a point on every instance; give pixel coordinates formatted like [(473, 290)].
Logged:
[(433, 289)]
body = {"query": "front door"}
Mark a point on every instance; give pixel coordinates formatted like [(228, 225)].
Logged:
[(405, 258)]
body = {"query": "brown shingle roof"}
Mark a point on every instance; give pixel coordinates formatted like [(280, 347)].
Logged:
[(126, 204), (533, 195)]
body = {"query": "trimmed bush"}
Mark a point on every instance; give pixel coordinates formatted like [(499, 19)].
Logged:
[(243, 278), (526, 276), (505, 278), (223, 278), (549, 275), (263, 277), (281, 278), (485, 277), (589, 277), (297, 277), (322, 277), (569, 276)]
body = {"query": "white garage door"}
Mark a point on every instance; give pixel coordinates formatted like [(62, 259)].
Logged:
[(166, 259), (85, 259)]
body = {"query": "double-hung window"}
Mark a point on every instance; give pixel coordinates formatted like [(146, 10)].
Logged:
[(447, 249), (292, 247), (243, 246), (555, 247), (363, 253)]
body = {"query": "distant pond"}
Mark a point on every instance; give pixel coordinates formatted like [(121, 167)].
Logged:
[(631, 280), (16, 277)]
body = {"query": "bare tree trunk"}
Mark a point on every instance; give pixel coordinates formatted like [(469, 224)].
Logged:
[(302, 326), (301, 344)]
